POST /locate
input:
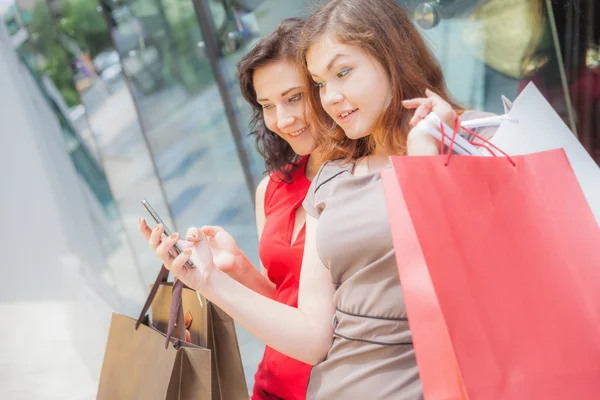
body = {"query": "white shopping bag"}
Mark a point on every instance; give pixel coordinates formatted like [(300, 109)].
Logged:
[(531, 125), (537, 128)]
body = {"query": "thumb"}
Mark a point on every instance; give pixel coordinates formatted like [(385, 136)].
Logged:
[(211, 230), (202, 255)]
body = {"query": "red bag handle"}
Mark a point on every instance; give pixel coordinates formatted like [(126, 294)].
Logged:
[(455, 131)]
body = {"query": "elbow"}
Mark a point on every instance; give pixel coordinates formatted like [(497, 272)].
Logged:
[(319, 351), (315, 360)]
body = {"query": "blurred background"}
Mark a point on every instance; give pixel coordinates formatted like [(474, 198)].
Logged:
[(106, 102)]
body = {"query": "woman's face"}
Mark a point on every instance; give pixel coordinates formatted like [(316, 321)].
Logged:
[(280, 92), (354, 87)]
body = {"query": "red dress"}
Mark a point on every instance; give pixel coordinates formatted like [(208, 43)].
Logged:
[(279, 376)]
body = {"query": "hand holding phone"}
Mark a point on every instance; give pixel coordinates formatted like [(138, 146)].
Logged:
[(176, 250)]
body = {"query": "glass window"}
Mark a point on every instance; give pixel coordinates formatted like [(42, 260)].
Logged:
[(239, 24), (163, 56), (61, 68), (490, 48)]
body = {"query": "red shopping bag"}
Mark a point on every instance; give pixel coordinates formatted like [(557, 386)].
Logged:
[(438, 370), (512, 254)]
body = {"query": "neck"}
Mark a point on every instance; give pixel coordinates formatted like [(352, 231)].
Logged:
[(313, 164), (376, 162)]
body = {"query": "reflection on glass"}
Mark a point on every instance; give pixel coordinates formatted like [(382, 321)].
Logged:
[(180, 108), (51, 59), (70, 43), (575, 28), (490, 48), (163, 57), (239, 24)]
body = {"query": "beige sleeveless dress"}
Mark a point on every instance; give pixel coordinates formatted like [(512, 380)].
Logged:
[(372, 356)]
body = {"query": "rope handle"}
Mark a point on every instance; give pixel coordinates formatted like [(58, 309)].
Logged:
[(485, 144)]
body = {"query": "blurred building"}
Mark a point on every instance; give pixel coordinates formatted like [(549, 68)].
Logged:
[(106, 102)]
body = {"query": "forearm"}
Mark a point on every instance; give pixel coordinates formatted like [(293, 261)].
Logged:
[(284, 328), (248, 275)]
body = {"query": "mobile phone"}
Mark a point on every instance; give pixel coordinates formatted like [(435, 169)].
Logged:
[(167, 232)]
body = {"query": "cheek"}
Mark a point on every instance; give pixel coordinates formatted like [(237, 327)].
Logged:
[(304, 113), (270, 121), (325, 104), (384, 90), (299, 113)]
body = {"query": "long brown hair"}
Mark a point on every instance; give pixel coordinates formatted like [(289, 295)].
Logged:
[(281, 45), (383, 29)]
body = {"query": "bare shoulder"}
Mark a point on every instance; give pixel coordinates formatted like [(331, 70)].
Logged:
[(261, 195), (261, 189)]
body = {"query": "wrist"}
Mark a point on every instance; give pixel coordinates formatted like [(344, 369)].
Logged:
[(421, 143), (205, 284), (241, 264)]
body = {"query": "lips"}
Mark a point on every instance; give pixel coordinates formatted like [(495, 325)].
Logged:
[(298, 132), (346, 114)]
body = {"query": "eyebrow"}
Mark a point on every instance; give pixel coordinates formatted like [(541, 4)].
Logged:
[(284, 93), (333, 60)]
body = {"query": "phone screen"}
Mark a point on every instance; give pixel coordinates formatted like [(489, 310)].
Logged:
[(167, 232)]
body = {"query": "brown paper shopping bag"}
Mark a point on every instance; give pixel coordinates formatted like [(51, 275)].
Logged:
[(212, 328), (141, 362)]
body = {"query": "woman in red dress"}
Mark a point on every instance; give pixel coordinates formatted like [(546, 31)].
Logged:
[(271, 82)]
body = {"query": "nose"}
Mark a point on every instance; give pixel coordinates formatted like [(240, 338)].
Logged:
[(331, 97), (284, 119)]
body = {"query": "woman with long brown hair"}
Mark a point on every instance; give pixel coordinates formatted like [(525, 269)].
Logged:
[(373, 80), (271, 82)]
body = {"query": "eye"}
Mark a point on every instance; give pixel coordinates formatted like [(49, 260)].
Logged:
[(343, 72), (295, 97), (320, 85), (268, 106)]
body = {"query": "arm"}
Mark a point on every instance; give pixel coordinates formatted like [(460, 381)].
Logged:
[(304, 333), (420, 143), (227, 256), (245, 272)]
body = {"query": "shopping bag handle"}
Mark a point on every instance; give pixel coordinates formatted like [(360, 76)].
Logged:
[(494, 120), (175, 312), (456, 129)]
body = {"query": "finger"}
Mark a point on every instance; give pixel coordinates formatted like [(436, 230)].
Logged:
[(193, 234), (421, 112), (155, 236), (144, 228), (190, 276), (414, 103), (211, 230), (163, 251), (433, 95), (181, 259), (437, 100), (202, 253)]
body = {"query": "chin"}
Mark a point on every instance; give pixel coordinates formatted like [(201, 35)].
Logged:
[(355, 135), (304, 150)]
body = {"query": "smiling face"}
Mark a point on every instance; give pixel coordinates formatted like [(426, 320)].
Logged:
[(354, 87), (280, 92)]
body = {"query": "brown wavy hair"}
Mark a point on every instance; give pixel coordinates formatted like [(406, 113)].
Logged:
[(383, 29), (281, 45)]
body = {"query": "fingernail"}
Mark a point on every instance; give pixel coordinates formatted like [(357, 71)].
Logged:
[(173, 236), (188, 252), (191, 237), (139, 220)]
